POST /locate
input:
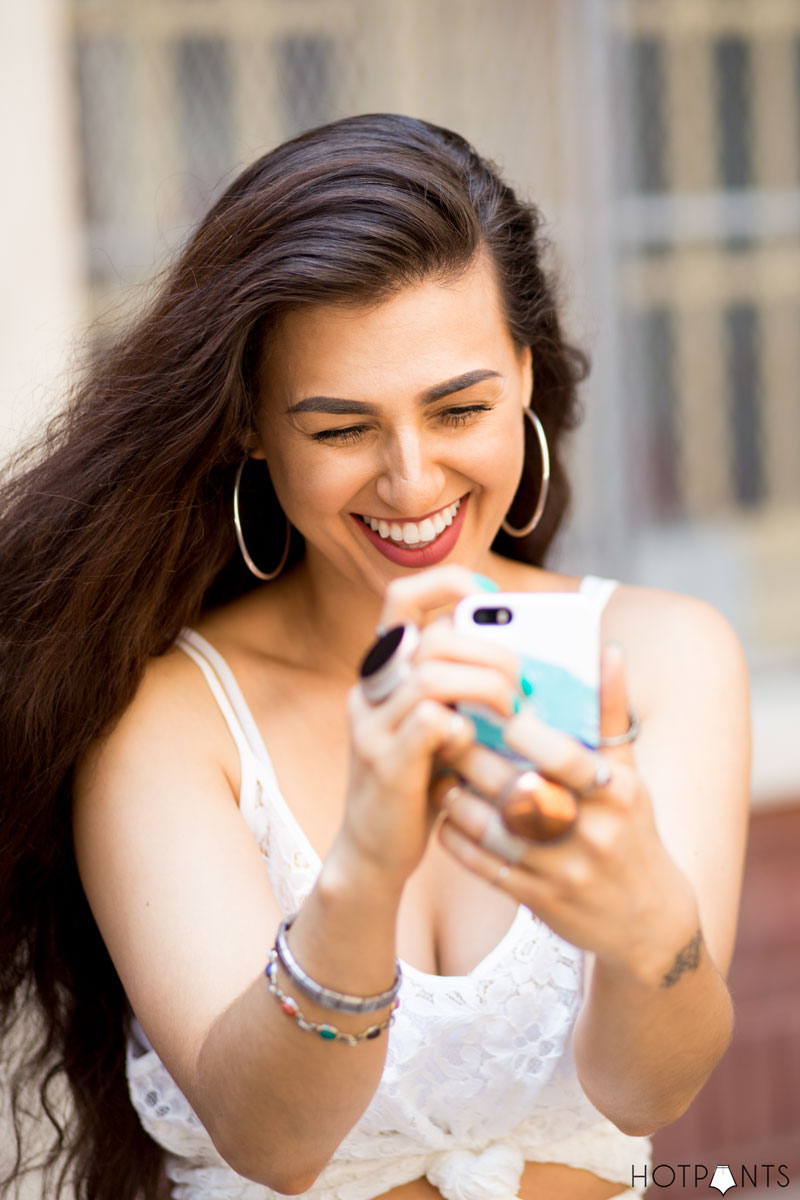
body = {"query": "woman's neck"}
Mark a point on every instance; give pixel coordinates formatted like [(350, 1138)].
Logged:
[(330, 619), (327, 622)]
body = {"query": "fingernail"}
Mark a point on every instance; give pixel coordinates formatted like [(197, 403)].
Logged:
[(485, 583), (460, 727), (516, 705), (466, 807), (525, 685), (450, 796)]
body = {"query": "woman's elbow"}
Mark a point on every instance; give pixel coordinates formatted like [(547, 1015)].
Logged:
[(262, 1165), (648, 1120), (269, 1161), (664, 1109)]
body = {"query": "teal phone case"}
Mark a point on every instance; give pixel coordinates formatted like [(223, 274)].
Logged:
[(556, 637)]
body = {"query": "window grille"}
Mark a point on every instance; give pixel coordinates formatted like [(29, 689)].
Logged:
[(677, 183)]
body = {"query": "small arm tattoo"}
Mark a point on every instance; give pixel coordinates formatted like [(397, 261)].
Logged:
[(687, 959)]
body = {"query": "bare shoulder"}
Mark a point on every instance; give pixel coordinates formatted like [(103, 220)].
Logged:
[(172, 718), (673, 642), (641, 608), (167, 863)]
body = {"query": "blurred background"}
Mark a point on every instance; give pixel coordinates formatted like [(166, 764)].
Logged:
[(661, 138)]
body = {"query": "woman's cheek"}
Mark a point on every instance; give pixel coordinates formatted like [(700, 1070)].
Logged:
[(318, 489)]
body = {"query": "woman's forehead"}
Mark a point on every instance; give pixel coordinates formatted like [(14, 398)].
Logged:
[(421, 328)]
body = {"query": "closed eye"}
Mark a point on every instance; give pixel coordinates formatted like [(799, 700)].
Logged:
[(349, 434), (459, 416), (353, 433)]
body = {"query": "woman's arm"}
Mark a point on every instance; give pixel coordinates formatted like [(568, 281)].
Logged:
[(648, 881), (183, 901), (653, 1033)]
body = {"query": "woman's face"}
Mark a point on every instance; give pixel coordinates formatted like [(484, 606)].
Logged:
[(394, 432)]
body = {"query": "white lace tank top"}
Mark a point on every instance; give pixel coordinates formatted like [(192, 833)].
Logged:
[(479, 1076)]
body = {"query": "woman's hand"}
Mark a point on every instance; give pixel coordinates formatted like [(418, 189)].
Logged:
[(609, 885), (656, 1015), (388, 816)]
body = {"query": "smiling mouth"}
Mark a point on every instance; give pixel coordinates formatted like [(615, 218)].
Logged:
[(414, 534)]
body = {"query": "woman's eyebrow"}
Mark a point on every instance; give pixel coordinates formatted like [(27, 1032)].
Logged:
[(332, 404)]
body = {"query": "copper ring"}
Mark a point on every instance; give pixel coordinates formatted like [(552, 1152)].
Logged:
[(536, 808)]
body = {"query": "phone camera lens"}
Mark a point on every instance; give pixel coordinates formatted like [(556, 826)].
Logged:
[(491, 616)]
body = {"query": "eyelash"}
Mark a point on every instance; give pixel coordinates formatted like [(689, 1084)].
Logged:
[(454, 417)]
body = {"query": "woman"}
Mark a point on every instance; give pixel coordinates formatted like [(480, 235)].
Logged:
[(347, 347)]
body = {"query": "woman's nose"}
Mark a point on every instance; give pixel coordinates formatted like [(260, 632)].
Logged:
[(412, 480)]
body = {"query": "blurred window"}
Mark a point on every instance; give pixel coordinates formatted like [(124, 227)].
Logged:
[(301, 59), (203, 87), (662, 139), (743, 347), (733, 92), (648, 149)]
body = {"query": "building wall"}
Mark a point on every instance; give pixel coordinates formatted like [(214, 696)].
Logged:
[(708, 234), (749, 1111), (42, 289)]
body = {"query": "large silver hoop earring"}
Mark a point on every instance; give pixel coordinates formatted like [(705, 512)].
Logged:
[(544, 487), (251, 566)]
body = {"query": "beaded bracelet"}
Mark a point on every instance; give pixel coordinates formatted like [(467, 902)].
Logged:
[(327, 997), (328, 1032)]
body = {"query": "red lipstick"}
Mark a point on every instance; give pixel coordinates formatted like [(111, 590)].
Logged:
[(426, 556)]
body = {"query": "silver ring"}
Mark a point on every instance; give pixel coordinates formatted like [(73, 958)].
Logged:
[(602, 778), (497, 840), (388, 662), (623, 739)]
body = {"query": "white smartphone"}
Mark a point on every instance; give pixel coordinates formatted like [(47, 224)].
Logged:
[(556, 636)]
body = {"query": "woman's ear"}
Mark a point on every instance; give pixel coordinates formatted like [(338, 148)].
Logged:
[(252, 445), (526, 366)]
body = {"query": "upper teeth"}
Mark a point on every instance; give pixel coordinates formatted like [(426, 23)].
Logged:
[(414, 532)]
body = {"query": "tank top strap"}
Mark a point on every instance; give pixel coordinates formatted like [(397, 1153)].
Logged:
[(232, 704), (597, 590), (201, 653), (261, 802)]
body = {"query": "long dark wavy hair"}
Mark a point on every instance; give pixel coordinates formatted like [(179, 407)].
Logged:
[(116, 531)]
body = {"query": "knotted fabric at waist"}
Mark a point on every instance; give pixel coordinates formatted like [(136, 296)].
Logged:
[(488, 1171), (490, 1174)]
